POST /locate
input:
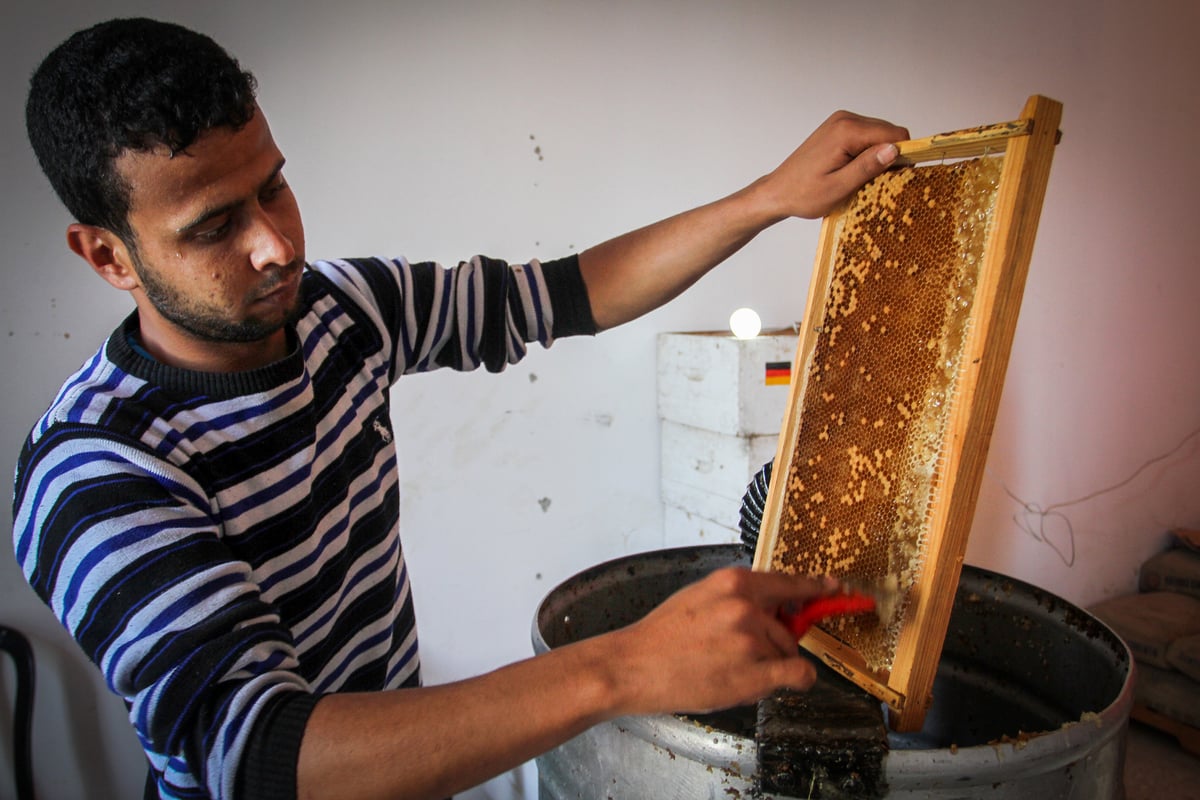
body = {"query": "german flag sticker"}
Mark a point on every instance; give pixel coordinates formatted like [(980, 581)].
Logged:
[(779, 373)]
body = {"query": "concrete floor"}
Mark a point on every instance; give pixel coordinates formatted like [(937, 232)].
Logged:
[(1157, 768)]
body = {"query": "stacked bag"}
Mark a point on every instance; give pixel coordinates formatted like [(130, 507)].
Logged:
[(1161, 625)]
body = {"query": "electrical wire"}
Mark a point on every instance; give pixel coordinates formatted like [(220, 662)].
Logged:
[(1041, 515)]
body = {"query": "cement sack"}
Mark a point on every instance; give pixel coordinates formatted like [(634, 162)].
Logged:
[(1175, 570), (1149, 623), (1184, 655)]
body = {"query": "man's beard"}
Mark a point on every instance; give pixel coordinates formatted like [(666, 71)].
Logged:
[(207, 324)]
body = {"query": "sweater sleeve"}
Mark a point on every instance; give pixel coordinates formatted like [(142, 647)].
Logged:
[(569, 297), (125, 551), (481, 312), (268, 769)]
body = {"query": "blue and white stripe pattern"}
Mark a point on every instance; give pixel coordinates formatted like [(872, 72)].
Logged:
[(217, 543)]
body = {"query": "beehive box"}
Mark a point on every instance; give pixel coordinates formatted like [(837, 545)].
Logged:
[(706, 473), (683, 528), (898, 372), (715, 382), (720, 400)]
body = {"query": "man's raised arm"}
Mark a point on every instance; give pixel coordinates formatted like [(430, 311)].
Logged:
[(639, 271)]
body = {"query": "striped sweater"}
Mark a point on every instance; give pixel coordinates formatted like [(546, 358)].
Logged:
[(225, 547)]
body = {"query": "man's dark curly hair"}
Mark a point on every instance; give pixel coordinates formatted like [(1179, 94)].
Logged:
[(127, 84)]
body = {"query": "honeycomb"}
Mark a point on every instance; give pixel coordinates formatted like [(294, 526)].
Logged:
[(880, 386)]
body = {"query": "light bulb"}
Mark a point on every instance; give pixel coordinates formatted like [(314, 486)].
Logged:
[(745, 323)]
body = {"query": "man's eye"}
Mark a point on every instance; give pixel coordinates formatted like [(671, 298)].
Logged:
[(214, 234), (274, 189)]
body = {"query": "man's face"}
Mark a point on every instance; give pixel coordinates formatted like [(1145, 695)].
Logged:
[(218, 245)]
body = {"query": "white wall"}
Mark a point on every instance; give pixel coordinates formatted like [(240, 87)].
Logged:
[(414, 129)]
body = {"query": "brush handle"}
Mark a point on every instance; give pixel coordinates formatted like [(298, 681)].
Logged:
[(834, 605)]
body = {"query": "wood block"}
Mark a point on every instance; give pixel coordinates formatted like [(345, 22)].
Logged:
[(1187, 735), (829, 742)]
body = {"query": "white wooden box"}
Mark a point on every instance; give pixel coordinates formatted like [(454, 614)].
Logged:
[(682, 528), (706, 473), (720, 383)]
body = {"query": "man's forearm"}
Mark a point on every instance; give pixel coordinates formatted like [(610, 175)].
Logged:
[(639, 271), (713, 644), (435, 741), (635, 273)]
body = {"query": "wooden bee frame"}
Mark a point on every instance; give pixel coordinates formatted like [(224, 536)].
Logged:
[(933, 399)]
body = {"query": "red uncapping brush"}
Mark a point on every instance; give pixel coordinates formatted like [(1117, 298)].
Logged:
[(824, 607)]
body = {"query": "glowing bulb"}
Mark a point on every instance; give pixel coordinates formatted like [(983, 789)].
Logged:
[(745, 323)]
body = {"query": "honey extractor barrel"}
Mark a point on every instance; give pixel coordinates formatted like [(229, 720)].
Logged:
[(1032, 699)]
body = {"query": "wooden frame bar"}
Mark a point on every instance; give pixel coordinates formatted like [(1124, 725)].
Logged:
[(1028, 144)]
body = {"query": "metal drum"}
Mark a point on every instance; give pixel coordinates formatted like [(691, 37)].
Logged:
[(1031, 700)]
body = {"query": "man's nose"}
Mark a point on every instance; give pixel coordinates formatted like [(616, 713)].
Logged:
[(270, 246)]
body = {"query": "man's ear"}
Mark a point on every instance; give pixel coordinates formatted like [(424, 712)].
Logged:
[(105, 253)]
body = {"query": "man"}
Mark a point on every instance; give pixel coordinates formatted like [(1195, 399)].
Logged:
[(210, 504)]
